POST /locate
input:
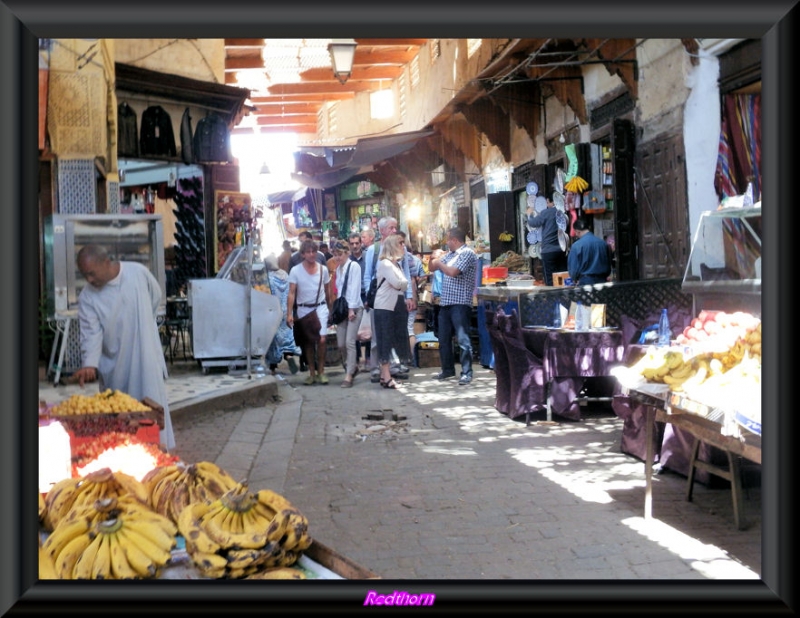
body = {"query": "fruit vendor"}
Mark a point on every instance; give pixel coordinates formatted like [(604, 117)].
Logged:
[(120, 344), (589, 260), (553, 257)]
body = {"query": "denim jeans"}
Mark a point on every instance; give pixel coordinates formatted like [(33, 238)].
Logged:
[(454, 320)]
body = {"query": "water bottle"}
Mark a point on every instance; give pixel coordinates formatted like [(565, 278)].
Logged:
[(557, 315), (664, 332), (581, 321)]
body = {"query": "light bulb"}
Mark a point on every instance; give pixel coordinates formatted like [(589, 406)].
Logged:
[(561, 139)]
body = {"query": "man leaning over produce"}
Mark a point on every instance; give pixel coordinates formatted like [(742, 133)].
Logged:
[(120, 344)]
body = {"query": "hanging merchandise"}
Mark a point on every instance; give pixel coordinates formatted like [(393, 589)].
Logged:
[(211, 141), (187, 152), (594, 202), (532, 188), (560, 181), (558, 200), (157, 137), (572, 168)]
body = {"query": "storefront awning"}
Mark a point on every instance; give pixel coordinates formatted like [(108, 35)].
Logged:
[(322, 168), (286, 197)]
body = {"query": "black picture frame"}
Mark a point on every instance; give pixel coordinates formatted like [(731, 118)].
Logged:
[(22, 22)]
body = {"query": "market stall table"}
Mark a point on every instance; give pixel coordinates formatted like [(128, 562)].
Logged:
[(569, 358), (707, 425)]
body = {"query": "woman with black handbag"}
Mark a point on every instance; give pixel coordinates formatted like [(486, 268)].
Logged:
[(347, 309), (309, 292), (391, 314)]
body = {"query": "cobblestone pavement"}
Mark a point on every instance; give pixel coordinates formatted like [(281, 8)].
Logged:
[(448, 488), (431, 482)]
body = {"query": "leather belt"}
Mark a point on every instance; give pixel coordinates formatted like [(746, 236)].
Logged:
[(309, 305)]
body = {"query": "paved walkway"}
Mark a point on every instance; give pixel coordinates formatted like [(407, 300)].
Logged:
[(448, 488)]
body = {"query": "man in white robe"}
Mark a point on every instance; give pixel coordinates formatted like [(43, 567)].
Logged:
[(120, 344)]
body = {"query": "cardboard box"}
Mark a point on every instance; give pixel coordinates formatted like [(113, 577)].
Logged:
[(560, 278), (426, 354), (497, 273)]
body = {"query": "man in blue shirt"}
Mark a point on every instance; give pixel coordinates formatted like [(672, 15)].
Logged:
[(588, 260), (458, 268), (386, 227)]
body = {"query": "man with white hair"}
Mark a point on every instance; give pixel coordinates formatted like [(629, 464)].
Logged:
[(386, 227)]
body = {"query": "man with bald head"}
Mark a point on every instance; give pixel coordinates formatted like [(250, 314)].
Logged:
[(120, 344)]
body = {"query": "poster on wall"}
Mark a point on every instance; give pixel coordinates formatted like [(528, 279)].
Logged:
[(232, 211)]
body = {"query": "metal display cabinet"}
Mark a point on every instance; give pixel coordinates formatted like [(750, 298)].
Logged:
[(225, 309), (724, 268), (130, 238)]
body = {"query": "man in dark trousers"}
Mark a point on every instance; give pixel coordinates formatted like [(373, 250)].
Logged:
[(459, 267)]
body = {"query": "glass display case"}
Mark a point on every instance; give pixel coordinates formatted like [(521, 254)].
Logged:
[(724, 267), (131, 238)]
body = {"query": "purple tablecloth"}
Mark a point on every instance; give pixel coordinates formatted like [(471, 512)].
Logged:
[(569, 357)]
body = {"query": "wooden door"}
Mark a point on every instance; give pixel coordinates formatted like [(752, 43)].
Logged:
[(663, 208), (625, 207)]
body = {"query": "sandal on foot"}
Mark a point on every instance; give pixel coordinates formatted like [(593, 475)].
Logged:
[(390, 384), (347, 384)]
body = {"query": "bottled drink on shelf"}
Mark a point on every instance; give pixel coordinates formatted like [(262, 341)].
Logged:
[(557, 315), (664, 332)]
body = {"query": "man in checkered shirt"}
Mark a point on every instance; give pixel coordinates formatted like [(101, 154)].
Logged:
[(458, 267)]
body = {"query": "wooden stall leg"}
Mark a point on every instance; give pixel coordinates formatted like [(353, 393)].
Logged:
[(736, 490), (692, 467), (650, 421)]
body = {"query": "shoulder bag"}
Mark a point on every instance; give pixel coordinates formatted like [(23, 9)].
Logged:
[(306, 329), (340, 309)]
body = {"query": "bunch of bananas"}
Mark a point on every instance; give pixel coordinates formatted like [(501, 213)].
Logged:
[(576, 185), (505, 236), (172, 488), (114, 539), (70, 493), (243, 533)]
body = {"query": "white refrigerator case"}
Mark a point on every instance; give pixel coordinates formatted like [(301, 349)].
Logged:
[(219, 319)]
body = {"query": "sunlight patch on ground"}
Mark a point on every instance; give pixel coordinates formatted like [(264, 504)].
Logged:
[(709, 560)]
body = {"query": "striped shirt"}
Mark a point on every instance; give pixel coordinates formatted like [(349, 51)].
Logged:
[(460, 289)]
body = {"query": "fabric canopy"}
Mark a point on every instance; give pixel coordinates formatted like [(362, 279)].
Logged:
[(322, 168)]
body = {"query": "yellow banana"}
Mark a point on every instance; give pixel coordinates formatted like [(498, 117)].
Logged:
[(68, 556), (304, 543), (63, 534), (59, 500), (683, 371), (83, 566), (159, 555), (210, 565), (279, 573), (141, 563), (47, 569), (120, 567), (241, 558), (101, 568), (278, 525), (289, 557), (197, 540), (273, 500), (254, 522), (128, 484), (214, 479), (42, 508), (156, 532)]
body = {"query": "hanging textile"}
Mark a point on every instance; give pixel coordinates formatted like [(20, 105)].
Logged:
[(739, 154)]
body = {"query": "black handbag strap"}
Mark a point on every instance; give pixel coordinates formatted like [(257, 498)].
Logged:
[(346, 275)]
